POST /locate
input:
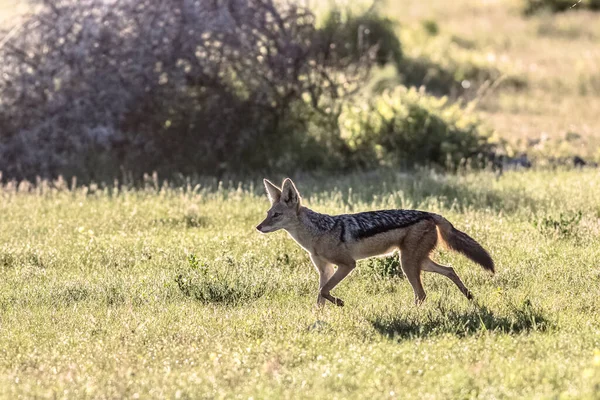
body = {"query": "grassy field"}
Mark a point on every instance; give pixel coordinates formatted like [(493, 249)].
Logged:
[(557, 55), (171, 293)]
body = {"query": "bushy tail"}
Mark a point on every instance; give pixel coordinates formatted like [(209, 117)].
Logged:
[(463, 243)]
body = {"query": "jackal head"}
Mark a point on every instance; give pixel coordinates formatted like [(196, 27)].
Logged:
[(285, 204)]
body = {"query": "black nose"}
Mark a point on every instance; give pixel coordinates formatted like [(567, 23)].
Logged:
[(259, 228)]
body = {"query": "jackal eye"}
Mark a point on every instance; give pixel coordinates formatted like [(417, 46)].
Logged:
[(276, 214)]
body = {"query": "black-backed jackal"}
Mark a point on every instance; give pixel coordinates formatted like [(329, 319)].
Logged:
[(343, 239)]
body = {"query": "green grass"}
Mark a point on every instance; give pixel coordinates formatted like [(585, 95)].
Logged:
[(558, 56), (171, 293)]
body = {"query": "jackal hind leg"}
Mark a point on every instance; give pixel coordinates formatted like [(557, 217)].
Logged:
[(325, 270), (415, 248), (431, 266), (412, 271)]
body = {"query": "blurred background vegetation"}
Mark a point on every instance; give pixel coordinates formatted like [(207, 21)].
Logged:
[(98, 89)]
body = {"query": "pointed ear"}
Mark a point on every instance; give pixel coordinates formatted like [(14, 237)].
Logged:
[(273, 192), (289, 193)]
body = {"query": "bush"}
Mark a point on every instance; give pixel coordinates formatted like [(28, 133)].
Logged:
[(94, 90), (362, 32), (405, 127), (385, 267), (438, 62), (447, 65), (228, 287), (564, 226), (90, 88)]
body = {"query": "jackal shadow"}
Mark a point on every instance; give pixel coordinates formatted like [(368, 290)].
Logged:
[(478, 319)]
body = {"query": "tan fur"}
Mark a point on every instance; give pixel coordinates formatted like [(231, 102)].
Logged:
[(415, 243)]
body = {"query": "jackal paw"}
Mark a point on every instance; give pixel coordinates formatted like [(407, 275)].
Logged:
[(334, 300), (338, 302)]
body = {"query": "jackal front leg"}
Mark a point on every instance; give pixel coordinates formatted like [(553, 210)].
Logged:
[(342, 271), (325, 270)]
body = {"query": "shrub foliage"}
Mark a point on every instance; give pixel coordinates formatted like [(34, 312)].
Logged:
[(405, 127), (186, 85), (93, 88)]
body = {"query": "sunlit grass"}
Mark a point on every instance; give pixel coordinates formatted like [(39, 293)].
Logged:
[(166, 292), (112, 293), (541, 71), (557, 55)]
